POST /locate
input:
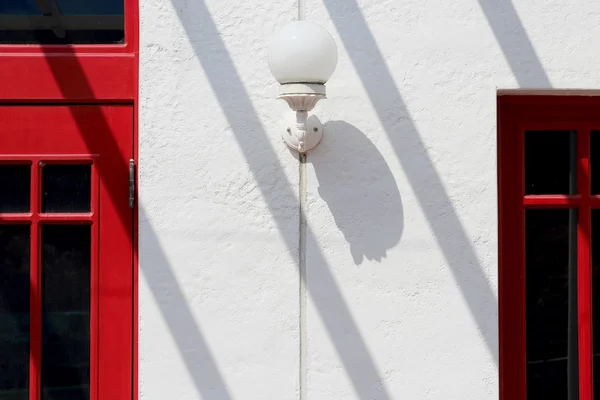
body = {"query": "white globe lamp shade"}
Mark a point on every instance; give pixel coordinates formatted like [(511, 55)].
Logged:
[(302, 52)]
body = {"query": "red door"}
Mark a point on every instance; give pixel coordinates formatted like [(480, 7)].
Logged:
[(66, 252)]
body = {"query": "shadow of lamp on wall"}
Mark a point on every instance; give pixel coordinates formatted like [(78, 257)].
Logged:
[(360, 190), (302, 57)]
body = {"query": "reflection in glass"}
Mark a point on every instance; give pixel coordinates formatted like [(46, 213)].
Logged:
[(14, 312), (66, 188), (66, 257), (550, 162), (15, 188), (551, 290), (61, 21)]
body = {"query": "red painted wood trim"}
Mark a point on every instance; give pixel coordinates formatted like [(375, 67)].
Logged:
[(35, 345), (584, 270), (95, 300), (73, 72), (62, 76), (509, 232), (135, 24), (116, 281), (16, 218), (518, 137), (60, 48), (132, 12), (83, 218), (547, 92), (549, 98), (135, 238), (551, 201), (521, 295), (47, 158)]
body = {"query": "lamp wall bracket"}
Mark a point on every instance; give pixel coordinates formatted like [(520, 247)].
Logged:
[(302, 133)]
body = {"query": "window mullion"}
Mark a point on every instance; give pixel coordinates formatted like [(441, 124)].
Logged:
[(35, 304)]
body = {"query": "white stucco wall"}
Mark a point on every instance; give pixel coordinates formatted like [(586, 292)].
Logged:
[(401, 246)]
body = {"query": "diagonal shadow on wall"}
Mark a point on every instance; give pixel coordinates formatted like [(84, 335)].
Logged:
[(520, 54), (266, 169), (418, 167), (160, 276), (515, 44), (450, 234), (175, 309), (188, 336)]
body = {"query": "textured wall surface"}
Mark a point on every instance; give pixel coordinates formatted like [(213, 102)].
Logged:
[(219, 210), (401, 246)]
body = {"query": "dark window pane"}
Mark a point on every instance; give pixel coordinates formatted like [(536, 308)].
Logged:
[(14, 188), (66, 252), (551, 288), (14, 312), (62, 21), (67, 188), (550, 162), (595, 161)]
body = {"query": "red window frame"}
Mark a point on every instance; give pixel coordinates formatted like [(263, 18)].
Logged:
[(518, 112), (90, 72), (85, 74)]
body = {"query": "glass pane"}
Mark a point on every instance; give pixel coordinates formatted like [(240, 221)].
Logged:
[(550, 162), (62, 21), (14, 312), (551, 288), (66, 257), (595, 161), (14, 188), (67, 188)]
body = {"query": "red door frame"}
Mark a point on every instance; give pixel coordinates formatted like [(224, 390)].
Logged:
[(517, 113), (84, 74)]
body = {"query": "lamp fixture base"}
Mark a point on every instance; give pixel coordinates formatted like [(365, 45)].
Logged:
[(302, 133)]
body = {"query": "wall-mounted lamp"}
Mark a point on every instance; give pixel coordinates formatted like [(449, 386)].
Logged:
[(302, 57)]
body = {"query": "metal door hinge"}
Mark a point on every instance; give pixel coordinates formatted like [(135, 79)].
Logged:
[(131, 183)]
